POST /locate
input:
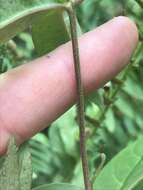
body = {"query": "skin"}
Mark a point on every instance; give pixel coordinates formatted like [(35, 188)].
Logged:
[(35, 94)]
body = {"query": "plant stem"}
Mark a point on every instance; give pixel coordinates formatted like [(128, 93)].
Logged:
[(80, 96)]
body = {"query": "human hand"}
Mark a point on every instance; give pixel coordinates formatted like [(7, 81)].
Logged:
[(35, 94)]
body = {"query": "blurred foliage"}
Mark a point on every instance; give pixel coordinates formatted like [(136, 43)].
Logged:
[(113, 113)]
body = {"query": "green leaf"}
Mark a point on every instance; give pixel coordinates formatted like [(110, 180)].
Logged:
[(110, 121), (26, 169), (16, 170), (58, 186), (17, 15), (49, 31), (124, 171), (133, 87), (9, 173), (97, 98)]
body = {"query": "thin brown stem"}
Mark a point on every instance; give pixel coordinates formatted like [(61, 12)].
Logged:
[(80, 96)]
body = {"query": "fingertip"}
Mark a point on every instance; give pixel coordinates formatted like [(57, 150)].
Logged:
[(112, 44), (129, 29)]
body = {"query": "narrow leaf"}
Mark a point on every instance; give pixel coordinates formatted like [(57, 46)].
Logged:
[(26, 169), (9, 173)]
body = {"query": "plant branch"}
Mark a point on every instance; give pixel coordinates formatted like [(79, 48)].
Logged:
[(115, 92), (112, 98), (80, 94)]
